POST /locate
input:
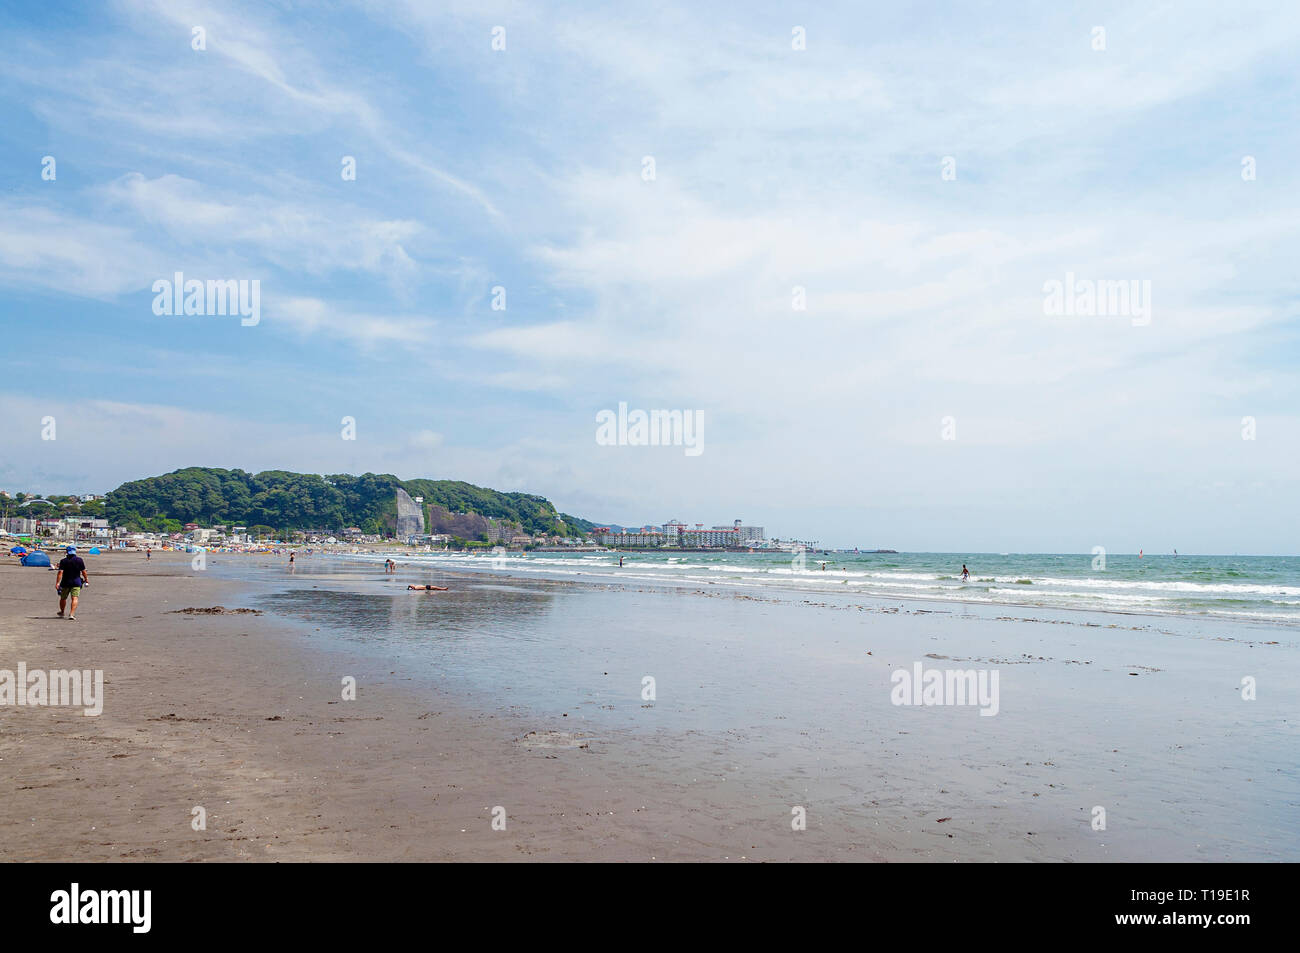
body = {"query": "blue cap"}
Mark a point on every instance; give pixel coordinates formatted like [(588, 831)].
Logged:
[(72, 549)]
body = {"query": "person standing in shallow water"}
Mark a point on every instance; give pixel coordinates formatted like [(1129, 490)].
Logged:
[(965, 573)]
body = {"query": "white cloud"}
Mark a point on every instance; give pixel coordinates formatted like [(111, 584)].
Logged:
[(314, 316), (71, 254), (318, 237), (426, 440)]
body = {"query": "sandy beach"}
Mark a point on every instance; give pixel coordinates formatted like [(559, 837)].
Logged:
[(514, 695)]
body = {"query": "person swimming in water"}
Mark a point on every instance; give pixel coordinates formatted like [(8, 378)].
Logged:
[(965, 573), (428, 588)]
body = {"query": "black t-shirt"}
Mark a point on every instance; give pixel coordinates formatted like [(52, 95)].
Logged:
[(72, 567)]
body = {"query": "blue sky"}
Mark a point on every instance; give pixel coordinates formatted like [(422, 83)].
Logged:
[(774, 168)]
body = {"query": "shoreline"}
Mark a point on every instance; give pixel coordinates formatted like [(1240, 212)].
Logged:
[(566, 575)]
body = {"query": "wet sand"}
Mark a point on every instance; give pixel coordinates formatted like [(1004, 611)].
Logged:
[(242, 715)]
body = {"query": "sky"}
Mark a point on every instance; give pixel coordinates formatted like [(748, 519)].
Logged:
[(828, 232)]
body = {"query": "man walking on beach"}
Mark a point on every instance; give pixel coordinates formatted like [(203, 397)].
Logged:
[(68, 581)]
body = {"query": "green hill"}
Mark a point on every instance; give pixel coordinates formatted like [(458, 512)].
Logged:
[(579, 526), (282, 500)]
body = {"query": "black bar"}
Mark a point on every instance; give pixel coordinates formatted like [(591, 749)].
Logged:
[(908, 903)]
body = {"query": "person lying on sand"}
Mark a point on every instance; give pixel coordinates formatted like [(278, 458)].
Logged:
[(428, 588)]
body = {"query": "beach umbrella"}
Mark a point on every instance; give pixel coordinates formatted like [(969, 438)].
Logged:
[(94, 550)]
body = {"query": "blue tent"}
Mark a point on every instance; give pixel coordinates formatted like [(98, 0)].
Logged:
[(36, 558), (94, 550), (18, 550)]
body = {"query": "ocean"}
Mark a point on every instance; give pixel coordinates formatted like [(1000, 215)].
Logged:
[(1246, 588)]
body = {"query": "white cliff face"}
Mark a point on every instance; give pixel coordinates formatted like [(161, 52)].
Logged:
[(410, 515)]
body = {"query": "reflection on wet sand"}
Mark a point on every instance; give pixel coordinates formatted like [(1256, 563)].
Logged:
[(417, 616)]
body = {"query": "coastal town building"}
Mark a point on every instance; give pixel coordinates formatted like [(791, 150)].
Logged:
[(746, 533), (428, 539), (675, 533), (643, 538), (698, 536)]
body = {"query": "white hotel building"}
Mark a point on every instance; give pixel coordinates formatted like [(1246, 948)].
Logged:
[(676, 533)]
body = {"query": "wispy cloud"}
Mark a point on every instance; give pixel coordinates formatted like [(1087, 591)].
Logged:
[(312, 316)]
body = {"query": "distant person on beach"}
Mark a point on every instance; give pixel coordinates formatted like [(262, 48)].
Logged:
[(148, 554), (965, 573), (69, 580), (291, 555), (620, 562), (428, 588)]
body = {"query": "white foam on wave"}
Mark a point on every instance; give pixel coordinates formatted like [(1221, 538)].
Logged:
[(1060, 592)]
